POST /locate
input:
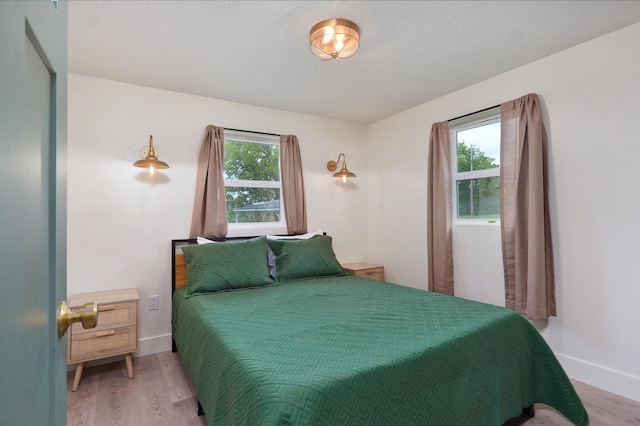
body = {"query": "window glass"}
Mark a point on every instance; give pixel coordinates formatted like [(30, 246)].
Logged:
[(478, 198), (479, 147), (252, 179), (244, 160), (264, 208), (475, 145)]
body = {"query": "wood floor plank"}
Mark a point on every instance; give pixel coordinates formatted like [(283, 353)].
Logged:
[(161, 393), (115, 404), (187, 411), (604, 409), (81, 405), (154, 406), (176, 377), (604, 405)]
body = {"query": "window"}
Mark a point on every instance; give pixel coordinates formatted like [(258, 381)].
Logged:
[(475, 146), (252, 181)]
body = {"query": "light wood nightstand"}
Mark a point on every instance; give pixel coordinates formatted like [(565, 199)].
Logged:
[(115, 334), (366, 270)]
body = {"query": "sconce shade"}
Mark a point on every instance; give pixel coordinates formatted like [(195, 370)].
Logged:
[(344, 173), (150, 161), (334, 38)]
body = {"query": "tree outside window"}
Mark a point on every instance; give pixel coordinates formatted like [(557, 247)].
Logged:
[(252, 180), (480, 197), (476, 171)]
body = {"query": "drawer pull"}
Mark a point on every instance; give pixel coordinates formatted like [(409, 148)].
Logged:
[(105, 333), (106, 307)]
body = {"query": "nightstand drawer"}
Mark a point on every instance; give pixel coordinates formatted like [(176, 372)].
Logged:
[(374, 274), (99, 344), (111, 315), (366, 270)]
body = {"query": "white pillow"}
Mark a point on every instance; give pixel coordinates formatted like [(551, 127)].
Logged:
[(202, 240), (295, 237)]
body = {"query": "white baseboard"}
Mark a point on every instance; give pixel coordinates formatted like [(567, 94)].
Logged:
[(154, 345), (605, 378)]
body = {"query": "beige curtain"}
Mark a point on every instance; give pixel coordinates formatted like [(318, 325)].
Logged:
[(295, 207), (210, 207), (524, 209), (439, 244)]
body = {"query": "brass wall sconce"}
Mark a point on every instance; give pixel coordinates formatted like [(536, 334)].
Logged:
[(334, 38), (149, 160), (344, 173)]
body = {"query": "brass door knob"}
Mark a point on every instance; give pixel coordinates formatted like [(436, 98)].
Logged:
[(88, 316)]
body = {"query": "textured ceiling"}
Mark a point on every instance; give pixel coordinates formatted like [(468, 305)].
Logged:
[(257, 52)]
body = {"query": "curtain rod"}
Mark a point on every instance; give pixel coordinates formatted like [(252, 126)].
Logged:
[(472, 113), (250, 131)]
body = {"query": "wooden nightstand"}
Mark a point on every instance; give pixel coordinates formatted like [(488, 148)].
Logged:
[(366, 270), (115, 334)]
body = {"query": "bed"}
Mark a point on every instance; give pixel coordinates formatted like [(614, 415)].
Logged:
[(299, 342)]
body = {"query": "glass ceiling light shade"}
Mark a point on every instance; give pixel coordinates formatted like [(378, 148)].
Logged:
[(334, 38), (149, 160), (344, 173)]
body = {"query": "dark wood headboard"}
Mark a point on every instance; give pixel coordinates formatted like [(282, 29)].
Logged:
[(180, 272), (178, 266)]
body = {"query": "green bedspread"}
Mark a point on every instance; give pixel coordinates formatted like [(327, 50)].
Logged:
[(349, 350)]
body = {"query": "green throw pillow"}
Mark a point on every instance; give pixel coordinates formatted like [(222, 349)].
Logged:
[(226, 266), (296, 259)]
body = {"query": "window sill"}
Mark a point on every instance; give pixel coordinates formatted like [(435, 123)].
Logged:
[(477, 222), (254, 229)]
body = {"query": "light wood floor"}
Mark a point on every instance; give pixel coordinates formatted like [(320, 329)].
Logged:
[(161, 394)]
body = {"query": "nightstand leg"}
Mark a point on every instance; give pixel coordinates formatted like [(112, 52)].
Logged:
[(127, 359), (76, 378)]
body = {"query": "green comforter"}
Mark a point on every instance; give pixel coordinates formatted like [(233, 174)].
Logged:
[(349, 350)]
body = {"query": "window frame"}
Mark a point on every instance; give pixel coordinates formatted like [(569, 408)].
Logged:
[(256, 228), (483, 118)]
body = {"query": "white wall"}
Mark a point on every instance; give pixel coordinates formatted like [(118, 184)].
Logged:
[(590, 98), (120, 222)]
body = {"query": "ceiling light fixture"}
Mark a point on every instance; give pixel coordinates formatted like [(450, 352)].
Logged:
[(334, 38), (149, 160)]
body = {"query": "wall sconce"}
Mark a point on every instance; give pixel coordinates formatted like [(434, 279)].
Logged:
[(149, 160), (334, 38), (344, 173)]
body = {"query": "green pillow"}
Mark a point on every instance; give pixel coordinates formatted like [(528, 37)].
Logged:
[(226, 266), (296, 259)]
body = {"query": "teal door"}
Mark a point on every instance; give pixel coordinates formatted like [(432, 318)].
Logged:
[(33, 86)]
